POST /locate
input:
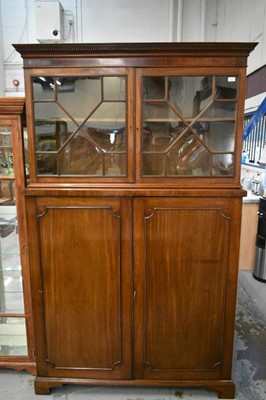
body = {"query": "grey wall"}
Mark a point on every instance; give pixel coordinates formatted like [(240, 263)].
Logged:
[(133, 20)]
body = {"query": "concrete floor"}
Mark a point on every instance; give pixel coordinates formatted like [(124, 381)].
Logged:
[(249, 367)]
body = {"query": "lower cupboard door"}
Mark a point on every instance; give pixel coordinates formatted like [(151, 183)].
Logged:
[(83, 316), (182, 313)]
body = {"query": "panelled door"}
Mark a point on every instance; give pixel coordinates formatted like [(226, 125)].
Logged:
[(184, 251), (81, 278)]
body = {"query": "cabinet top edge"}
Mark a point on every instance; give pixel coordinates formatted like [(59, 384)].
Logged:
[(108, 49), (11, 105)]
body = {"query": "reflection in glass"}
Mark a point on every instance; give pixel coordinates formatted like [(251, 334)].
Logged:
[(154, 87), (226, 87), (83, 99), (47, 87), (46, 164), (190, 95), (110, 140), (94, 153), (114, 88), (12, 329), (50, 135), (189, 157), (176, 154), (157, 136), (159, 112), (13, 340), (6, 156), (43, 88), (115, 164), (223, 164), (81, 157), (26, 151), (11, 293), (7, 192), (153, 164), (220, 136), (221, 110), (108, 113)]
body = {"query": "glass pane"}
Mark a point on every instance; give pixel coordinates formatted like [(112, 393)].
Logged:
[(7, 192), (81, 157), (154, 87), (26, 151), (115, 164), (46, 164), (158, 136), (188, 157), (189, 95), (88, 154), (114, 88), (109, 139), (13, 339), (220, 136), (181, 156), (223, 164), (226, 87), (11, 302), (109, 113), (172, 144), (82, 96), (43, 88), (48, 87), (50, 135), (77, 128), (6, 154), (51, 122), (220, 110), (159, 112), (153, 164), (11, 296)]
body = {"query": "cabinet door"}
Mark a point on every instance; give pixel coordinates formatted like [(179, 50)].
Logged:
[(16, 335), (186, 253), (81, 284), (189, 125), (81, 125)]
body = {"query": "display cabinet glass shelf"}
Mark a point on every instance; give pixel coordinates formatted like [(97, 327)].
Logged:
[(133, 209), (16, 344)]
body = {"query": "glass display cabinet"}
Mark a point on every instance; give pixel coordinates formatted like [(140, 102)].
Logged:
[(133, 210), (16, 345)]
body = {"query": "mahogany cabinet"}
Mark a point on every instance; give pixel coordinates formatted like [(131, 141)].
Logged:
[(16, 332), (133, 209)]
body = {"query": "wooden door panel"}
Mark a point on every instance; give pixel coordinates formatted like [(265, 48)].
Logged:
[(183, 258), (85, 286)]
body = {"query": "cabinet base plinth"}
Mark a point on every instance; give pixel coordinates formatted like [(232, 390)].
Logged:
[(224, 388), (44, 386)]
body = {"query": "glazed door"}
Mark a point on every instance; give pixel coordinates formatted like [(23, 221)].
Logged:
[(187, 125), (81, 125), (185, 253), (16, 334), (81, 285)]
